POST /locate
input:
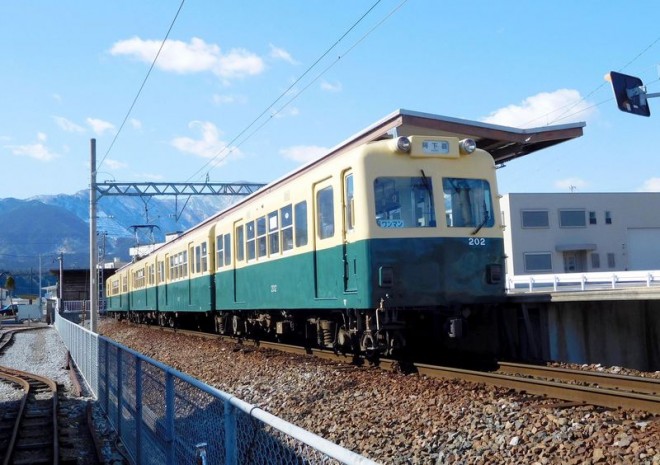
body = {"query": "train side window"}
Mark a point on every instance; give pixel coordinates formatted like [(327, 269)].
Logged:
[(261, 236), (161, 272), (184, 264), (300, 211), (326, 213), (227, 249), (205, 257), (198, 259), (240, 244), (349, 199), (273, 233), (286, 217), (250, 241), (219, 251)]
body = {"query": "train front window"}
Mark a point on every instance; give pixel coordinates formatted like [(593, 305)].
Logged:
[(468, 203), (404, 202)]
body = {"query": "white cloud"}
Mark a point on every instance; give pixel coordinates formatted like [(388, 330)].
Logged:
[(222, 99), (286, 111), (99, 126), (650, 185), (330, 87), (191, 57), (559, 107), (150, 177), (67, 125), (571, 184), (37, 151), (57, 98), (281, 54), (208, 146), (303, 153), (135, 123), (114, 164)]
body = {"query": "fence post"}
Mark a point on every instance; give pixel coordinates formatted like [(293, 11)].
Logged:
[(138, 409), (230, 434), (169, 417)]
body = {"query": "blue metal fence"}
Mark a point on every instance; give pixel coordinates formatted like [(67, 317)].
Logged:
[(164, 416)]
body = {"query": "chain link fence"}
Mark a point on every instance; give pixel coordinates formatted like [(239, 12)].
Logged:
[(164, 416)]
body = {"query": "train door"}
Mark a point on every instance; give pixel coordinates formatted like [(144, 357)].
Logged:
[(189, 266), (348, 229), (327, 254), (239, 257)]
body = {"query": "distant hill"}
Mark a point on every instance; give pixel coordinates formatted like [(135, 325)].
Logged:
[(50, 225)]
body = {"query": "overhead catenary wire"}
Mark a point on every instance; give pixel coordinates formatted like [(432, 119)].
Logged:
[(144, 82), (296, 95), (570, 106), (231, 146)]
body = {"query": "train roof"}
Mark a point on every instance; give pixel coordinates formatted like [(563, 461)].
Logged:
[(504, 143)]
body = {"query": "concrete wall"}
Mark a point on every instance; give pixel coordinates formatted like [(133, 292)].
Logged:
[(614, 333)]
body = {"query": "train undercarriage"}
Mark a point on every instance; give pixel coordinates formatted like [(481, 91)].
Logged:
[(378, 332)]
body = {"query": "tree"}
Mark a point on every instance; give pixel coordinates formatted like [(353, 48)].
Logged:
[(10, 285)]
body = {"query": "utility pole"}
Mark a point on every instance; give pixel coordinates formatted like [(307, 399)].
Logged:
[(93, 248), (60, 292)]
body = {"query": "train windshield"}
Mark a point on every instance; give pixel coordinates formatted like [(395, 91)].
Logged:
[(468, 203), (404, 202)]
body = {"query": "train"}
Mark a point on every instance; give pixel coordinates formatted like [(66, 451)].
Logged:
[(387, 242)]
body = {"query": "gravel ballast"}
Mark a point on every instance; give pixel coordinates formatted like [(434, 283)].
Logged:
[(395, 418)]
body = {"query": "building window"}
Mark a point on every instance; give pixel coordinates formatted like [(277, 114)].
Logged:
[(595, 260), (608, 217), (592, 218), (534, 219), (538, 262), (572, 219), (611, 262)]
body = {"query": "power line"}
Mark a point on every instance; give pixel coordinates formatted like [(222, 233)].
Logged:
[(229, 148), (574, 104), (153, 63), (295, 96)]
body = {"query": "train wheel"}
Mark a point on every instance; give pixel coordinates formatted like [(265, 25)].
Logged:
[(237, 325)]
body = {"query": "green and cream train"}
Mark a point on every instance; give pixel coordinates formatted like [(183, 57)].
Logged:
[(385, 240)]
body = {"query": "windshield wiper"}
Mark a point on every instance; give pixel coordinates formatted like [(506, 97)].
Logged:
[(483, 223)]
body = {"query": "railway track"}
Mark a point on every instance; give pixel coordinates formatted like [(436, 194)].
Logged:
[(44, 424), (28, 427), (577, 387)]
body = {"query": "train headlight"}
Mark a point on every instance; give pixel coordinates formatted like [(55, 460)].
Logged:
[(403, 144), (467, 146)]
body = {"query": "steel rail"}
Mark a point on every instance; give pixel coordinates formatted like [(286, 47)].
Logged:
[(10, 439), (581, 394), (616, 396), (27, 446), (608, 380)]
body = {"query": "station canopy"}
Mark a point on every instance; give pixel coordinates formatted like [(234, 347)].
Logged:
[(502, 142)]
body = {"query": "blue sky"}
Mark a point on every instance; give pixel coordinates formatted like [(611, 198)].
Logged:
[(71, 70)]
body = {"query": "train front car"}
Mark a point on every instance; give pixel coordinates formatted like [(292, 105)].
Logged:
[(435, 244)]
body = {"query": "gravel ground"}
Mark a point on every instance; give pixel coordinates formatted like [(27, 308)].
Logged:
[(406, 419), (42, 352)]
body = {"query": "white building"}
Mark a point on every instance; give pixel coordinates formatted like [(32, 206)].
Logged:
[(581, 232)]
